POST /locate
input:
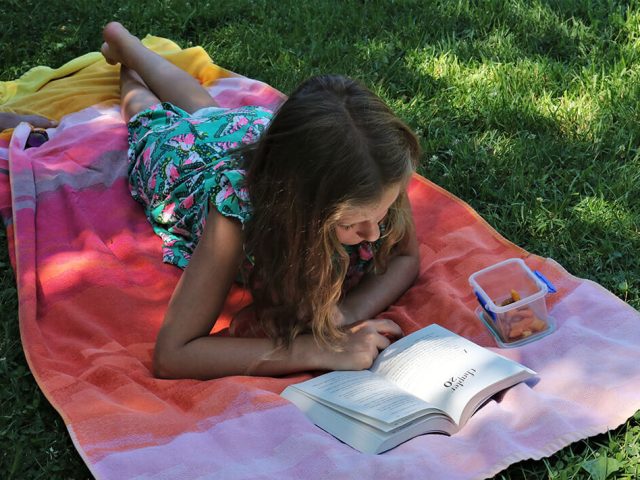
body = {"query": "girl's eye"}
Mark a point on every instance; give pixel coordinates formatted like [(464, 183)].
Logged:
[(346, 227)]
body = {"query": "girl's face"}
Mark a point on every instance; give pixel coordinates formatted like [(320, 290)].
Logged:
[(362, 223)]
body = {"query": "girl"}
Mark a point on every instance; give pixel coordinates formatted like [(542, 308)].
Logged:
[(307, 206)]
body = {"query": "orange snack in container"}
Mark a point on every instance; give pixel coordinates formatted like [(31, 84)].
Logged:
[(512, 300)]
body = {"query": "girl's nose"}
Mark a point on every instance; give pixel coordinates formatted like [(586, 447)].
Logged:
[(369, 231)]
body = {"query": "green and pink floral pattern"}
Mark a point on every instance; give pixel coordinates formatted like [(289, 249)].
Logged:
[(179, 164)]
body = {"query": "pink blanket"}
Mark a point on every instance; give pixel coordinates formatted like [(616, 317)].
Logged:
[(92, 292)]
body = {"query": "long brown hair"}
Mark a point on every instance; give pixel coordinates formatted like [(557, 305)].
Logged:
[(332, 145)]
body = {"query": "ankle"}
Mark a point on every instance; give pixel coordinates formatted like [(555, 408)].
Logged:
[(129, 49)]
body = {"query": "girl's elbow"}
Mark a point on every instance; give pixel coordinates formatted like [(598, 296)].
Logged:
[(163, 365), (412, 266), (415, 271)]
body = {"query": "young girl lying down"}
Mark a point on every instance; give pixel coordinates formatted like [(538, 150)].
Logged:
[(307, 205)]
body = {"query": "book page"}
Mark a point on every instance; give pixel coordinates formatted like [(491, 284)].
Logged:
[(366, 394), (443, 368), (364, 436)]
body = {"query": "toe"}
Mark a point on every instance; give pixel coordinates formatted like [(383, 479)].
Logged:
[(104, 49)]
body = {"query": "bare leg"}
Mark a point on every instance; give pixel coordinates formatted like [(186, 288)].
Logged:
[(168, 82), (135, 95)]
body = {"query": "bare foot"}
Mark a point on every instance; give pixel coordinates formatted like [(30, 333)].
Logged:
[(117, 39), (11, 120)]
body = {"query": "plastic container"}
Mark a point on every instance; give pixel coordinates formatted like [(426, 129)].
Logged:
[(512, 299)]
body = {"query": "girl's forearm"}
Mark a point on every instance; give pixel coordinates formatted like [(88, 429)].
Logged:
[(376, 292), (212, 357)]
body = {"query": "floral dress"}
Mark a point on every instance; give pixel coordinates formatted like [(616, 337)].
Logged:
[(180, 163)]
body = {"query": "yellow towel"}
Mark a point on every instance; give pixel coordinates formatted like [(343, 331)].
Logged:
[(89, 80)]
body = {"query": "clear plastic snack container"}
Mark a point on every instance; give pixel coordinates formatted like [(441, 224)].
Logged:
[(512, 302)]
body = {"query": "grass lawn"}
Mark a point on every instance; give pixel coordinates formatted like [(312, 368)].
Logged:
[(528, 110)]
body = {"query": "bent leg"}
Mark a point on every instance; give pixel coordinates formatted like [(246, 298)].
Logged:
[(168, 82), (135, 95)]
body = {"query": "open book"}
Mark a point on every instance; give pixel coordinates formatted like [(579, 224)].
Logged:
[(431, 381)]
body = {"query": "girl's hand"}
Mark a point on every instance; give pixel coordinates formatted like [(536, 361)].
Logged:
[(364, 341)]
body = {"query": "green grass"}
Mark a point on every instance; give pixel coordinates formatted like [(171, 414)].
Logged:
[(528, 110)]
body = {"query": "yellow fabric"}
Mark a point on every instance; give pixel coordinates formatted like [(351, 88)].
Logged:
[(89, 80)]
